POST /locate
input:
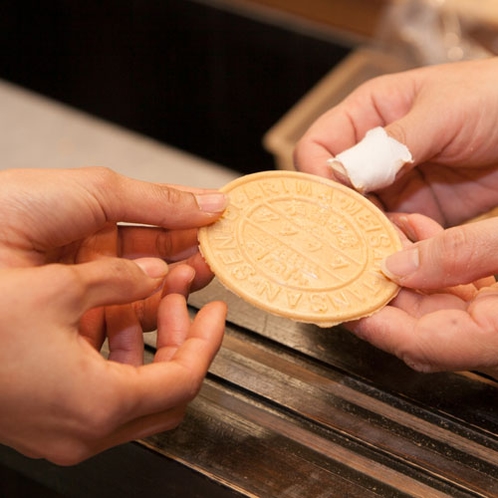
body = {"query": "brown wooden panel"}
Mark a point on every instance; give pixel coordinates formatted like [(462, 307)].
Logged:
[(292, 410), (357, 16)]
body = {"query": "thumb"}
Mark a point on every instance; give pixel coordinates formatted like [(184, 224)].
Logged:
[(78, 288), (459, 255), (424, 132), (66, 292), (118, 280)]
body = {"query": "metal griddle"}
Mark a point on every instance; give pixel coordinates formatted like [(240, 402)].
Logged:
[(292, 410)]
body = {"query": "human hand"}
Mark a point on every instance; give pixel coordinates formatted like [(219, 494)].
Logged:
[(59, 398), (446, 115), (444, 317), (71, 216), (61, 223)]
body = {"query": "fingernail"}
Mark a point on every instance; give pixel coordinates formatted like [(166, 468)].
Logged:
[(339, 171), (401, 264), (404, 224), (212, 203), (153, 267)]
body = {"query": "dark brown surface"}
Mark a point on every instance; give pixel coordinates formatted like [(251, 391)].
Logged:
[(292, 410), (196, 77), (359, 17)]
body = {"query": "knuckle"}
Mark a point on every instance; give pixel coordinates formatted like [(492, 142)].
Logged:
[(103, 176), (194, 386), (127, 275), (68, 278), (99, 181), (179, 206), (457, 249), (192, 381), (121, 268), (173, 197)]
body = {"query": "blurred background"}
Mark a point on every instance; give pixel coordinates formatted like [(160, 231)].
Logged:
[(204, 78), (213, 77)]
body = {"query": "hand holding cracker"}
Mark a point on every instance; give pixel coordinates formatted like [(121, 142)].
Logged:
[(444, 317), (444, 115)]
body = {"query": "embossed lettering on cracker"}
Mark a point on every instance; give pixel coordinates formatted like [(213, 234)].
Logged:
[(301, 246)]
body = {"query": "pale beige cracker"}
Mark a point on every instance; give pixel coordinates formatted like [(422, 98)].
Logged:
[(301, 246)]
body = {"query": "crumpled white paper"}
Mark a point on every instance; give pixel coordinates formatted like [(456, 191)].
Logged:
[(373, 162)]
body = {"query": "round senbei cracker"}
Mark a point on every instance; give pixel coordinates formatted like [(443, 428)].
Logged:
[(301, 246)]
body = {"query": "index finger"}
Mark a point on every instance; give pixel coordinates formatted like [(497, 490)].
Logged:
[(134, 201), (377, 102), (330, 134)]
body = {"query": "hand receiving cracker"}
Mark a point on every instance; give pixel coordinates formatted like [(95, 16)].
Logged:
[(70, 277)]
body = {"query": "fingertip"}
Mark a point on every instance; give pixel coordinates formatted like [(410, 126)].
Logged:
[(174, 298), (179, 280), (210, 322), (396, 130), (220, 307), (401, 264), (152, 267), (416, 226), (212, 202), (338, 171), (113, 281), (311, 157)]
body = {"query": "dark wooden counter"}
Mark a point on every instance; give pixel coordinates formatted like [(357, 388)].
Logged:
[(294, 410), (291, 410)]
